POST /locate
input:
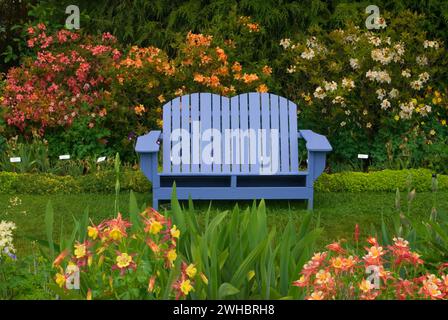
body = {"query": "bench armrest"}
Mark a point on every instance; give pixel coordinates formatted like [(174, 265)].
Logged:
[(314, 141), (149, 142)]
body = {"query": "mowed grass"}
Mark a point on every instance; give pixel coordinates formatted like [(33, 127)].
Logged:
[(338, 212)]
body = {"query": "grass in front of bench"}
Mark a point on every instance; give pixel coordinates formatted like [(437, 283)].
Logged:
[(339, 212)]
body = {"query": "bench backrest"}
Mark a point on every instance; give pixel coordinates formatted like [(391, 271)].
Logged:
[(205, 133)]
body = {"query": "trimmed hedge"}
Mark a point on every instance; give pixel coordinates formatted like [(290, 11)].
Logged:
[(101, 182), (380, 181), (104, 182)]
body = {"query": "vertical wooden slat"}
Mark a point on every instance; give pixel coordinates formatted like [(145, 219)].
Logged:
[(265, 141), (275, 126), (186, 143), (195, 133), (244, 137), (216, 124), (235, 138), (254, 125), (167, 137), (206, 122), (225, 147), (293, 143), (284, 135), (175, 125)]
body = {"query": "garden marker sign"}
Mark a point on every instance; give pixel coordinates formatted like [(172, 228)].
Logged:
[(245, 147)]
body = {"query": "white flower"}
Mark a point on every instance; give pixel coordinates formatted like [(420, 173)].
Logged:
[(354, 63), (319, 93), (381, 93), (308, 54), (406, 73), (285, 43), (422, 60), (385, 55), (423, 77), (348, 83), (6, 239), (338, 100), (417, 85), (291, 69), (394, 93), (381, 22), (343, 123), (385, 104), (379, 76), (375, 41), (399, 49), (330, 86), (368, 125), (347, 112), (430, 44)]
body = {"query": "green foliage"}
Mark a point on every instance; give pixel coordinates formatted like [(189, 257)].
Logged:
[(240, 256), (100, 182), (380, 181)]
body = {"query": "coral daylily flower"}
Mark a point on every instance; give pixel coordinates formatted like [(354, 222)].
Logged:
[(336, 247), (319, 295)]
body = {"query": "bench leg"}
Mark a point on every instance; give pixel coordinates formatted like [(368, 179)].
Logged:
[(155, 203), (310, 201)]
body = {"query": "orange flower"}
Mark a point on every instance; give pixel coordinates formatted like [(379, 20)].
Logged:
[(302, 282), (262, 88), (253, 27), (267, 70), (221, 54), (236, 67), (337, 263), (198, 78), (248, 78), (336, 247), (214, 81), (139, 109), (60, 258), (161, 98), (198, 40), (151, 283), (319, 295)]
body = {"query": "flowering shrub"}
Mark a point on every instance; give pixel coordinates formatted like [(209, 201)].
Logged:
[(146, 78), (394, 272), (357, 85), (61, 82), (123, 261), (6, 240)]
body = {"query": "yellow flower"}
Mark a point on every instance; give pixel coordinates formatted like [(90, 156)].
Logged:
[(250, 275), (443, 122), (89, 261), (92, 232), (432, 132), (365, 286), (89, 294), (60, 280), (123, 260), (175, 233), (80, 251), (155, 228), (191, 271), (171, 255), (396, 118), (186, 287), (204, 278), (115, 234)]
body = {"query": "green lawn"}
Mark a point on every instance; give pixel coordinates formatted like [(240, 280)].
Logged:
[(339, 212)]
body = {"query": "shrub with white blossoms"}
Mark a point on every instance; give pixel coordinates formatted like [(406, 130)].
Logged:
[(6, 239), (354, 81)]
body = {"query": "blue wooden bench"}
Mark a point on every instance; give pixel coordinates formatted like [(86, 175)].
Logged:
[(244, 147)]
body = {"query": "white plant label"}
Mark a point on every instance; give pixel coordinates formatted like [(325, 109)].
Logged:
[(64, 157), (363, 156), (101, 159), (15, 159)]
